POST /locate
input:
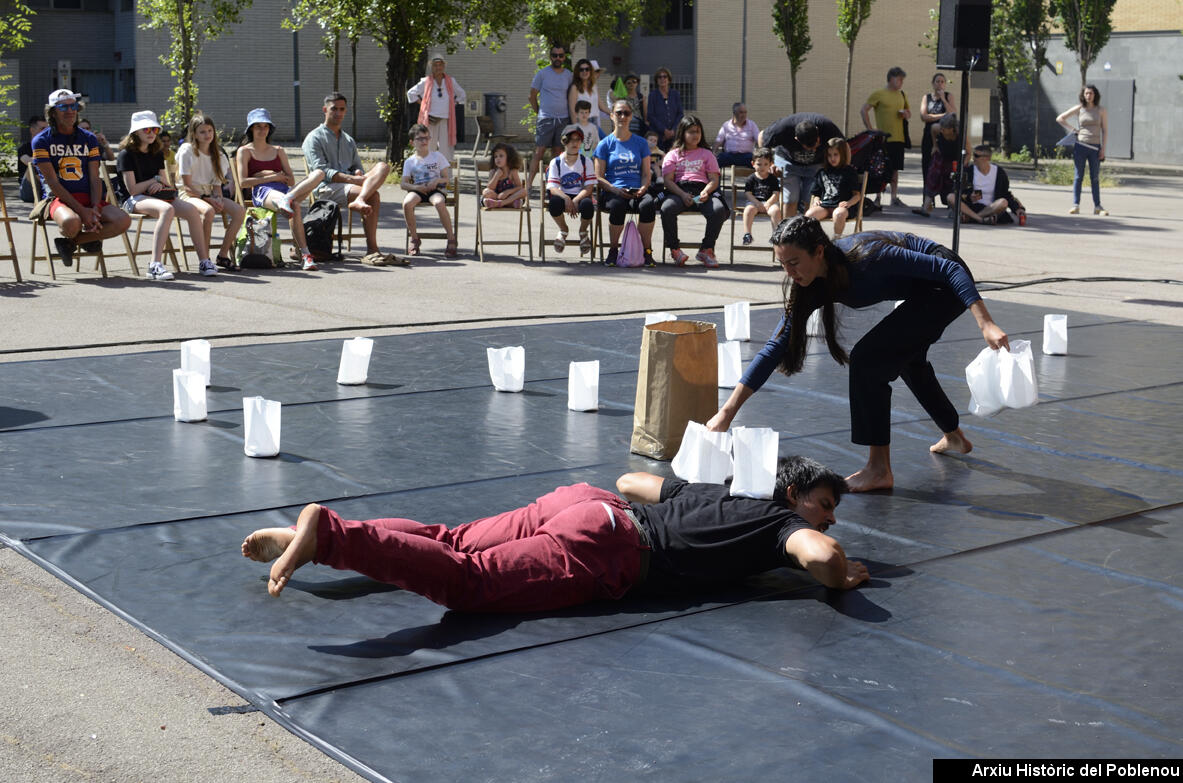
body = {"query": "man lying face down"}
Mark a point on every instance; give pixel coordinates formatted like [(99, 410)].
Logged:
[(579, 543)]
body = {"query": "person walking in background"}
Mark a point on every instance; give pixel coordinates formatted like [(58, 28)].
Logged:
[(736, 138), (437, 95), (1092, 130), (665, 108), (891, 112), (548, 98)]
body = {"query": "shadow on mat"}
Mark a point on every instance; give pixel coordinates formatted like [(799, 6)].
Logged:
[(18, 417)]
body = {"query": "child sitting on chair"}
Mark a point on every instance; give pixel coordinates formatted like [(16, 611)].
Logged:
[(425, 178), (835, 189), (505, 187), (762, 191), (570, 182)]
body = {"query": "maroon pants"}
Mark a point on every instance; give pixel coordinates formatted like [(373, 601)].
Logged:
[(570, 546)]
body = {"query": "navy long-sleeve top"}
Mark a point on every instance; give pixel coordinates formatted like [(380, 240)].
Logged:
[(664, 113), (888, 272)]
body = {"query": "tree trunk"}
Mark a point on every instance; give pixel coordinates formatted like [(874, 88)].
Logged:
[(793, 80), (398, 68), (353, 71), (336, 61), (184, 32), (846, 98), (1005, 134), (1035, 142)]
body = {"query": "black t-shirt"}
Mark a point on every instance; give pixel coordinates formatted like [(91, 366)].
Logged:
[(701, 534), (781, 137), (833, 186), (761, 189), (145, 166)]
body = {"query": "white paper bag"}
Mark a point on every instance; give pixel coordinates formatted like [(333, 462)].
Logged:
[(1016, 375), (730, 367), (355, 361), (737, 323), (985, 393), (704, 457), (814, 326), (754, 451), (657, 318), (1055, 334), (188, 396), (507, 368), (583, 386), (260, 422), (195, 357)]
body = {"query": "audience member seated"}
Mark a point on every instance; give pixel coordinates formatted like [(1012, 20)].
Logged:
[(691, 176), (204, 173), (106, 153), (24, 154), (836, 187), (622, 171), (505, 188), (762, 191), (736, 138), (570, 182), (426, 176), (986, 189)]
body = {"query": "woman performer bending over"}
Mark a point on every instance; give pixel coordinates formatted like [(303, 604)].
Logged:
[(858, 271)]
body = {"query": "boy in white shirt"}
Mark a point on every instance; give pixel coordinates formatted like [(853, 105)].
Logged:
[(570, 181), (425, 178)]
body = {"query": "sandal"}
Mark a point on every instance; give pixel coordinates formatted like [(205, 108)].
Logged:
[(450, 249), (416, 242), (585, 244), (374, 258), (226, 263)]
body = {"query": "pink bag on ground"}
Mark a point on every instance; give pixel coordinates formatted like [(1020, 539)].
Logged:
[(632, 252)]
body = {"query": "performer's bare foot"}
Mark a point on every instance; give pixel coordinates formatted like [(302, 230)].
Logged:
[(299, 551), (266, 544), (358, 205), (953, 442), (870, 478)]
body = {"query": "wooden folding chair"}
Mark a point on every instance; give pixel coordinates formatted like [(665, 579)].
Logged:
[(739, 175), (451, 199), (523, 212), (134, 248), (11, 254), (484, 126)]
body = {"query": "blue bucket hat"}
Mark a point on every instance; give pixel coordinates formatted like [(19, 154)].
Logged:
[(253, 117)]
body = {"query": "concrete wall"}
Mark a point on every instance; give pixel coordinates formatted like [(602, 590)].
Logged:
[(1151, 59)]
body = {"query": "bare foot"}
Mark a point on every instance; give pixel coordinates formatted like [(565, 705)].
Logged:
[(869, 479), (299, 551), (357, 205), (268, 543), (953, 442)]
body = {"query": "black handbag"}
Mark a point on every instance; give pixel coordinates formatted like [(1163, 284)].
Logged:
[(907, 136)]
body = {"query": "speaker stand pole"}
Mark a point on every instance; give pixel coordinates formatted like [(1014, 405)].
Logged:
[(958, 173)]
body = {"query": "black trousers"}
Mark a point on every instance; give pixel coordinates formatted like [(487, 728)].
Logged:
[(897, 347), (617, 206)]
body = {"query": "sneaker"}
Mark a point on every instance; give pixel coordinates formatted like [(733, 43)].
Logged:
[(747, 239), (309, 264), (207, 268), (649, 257), (897, 202), (1075, 210), (679, 257), (611, 259), (284, 203), (584, 243), (156, 271), (1100, 211), (65, 250), (707, 257), (560, 242), (227, 263)]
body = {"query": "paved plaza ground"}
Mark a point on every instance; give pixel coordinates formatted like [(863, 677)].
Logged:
[(88, 697)]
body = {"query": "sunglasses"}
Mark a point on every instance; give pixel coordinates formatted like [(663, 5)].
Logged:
[(149, 130), (554, 56), (623, 113), (584, 68), (66, 106), (422, 138), (439, 91)]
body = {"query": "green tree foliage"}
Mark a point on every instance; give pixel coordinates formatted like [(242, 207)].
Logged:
[(188, 25), (790, 22), (851, 16), (1008, 55), (1087, 25), (336, 19), (15, 22), (1031, 22)]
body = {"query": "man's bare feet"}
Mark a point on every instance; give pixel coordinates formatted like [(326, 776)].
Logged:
[(870, 478), (357, 205), (299, 551), (953, 442), (266, 544)]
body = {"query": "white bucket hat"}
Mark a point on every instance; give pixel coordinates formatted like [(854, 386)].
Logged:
[(143, 119)]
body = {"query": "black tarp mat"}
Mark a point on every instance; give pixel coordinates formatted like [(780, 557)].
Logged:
[(146, 515)]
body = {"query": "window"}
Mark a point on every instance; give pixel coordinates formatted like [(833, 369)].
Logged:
[(680, 16), (686, 90), (97, 85)]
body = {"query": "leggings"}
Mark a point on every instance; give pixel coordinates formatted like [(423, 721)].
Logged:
[(714, 209), (617, 206), (897, 347), (556, 205)]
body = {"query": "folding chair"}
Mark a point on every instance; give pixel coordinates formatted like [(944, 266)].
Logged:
[(8, 220), (523, 212), (858, 221), (485, 128), (134, 247), (738, 202), (451, 199)]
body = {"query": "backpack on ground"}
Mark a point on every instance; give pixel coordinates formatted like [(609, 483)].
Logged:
[(257, 244), (320, 226)]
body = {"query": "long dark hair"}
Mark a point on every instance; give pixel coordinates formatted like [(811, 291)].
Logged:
[(687, 122), (806, 233)]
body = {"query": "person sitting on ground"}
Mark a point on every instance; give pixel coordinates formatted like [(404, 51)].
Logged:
[(505, 188), (591, 130), (107, 153), (346, 183), (67, 160), (263, 168), (144, 188), (622, 170), (987, 191), (580, 543), (665, 108), (762, 191), (570, 182), (24, 154), (204, 171), (425, 178), (736, 138), (691, 176), (836, 187)]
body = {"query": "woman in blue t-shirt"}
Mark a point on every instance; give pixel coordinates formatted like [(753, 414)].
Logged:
[(622, 170), (860, 270)]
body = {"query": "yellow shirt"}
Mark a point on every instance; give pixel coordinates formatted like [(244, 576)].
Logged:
[(887, 104)]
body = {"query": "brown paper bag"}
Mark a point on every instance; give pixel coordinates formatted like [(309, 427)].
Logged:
[(677, 382)]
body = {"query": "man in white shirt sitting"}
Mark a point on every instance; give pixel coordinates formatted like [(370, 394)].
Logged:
[(987, 191)]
